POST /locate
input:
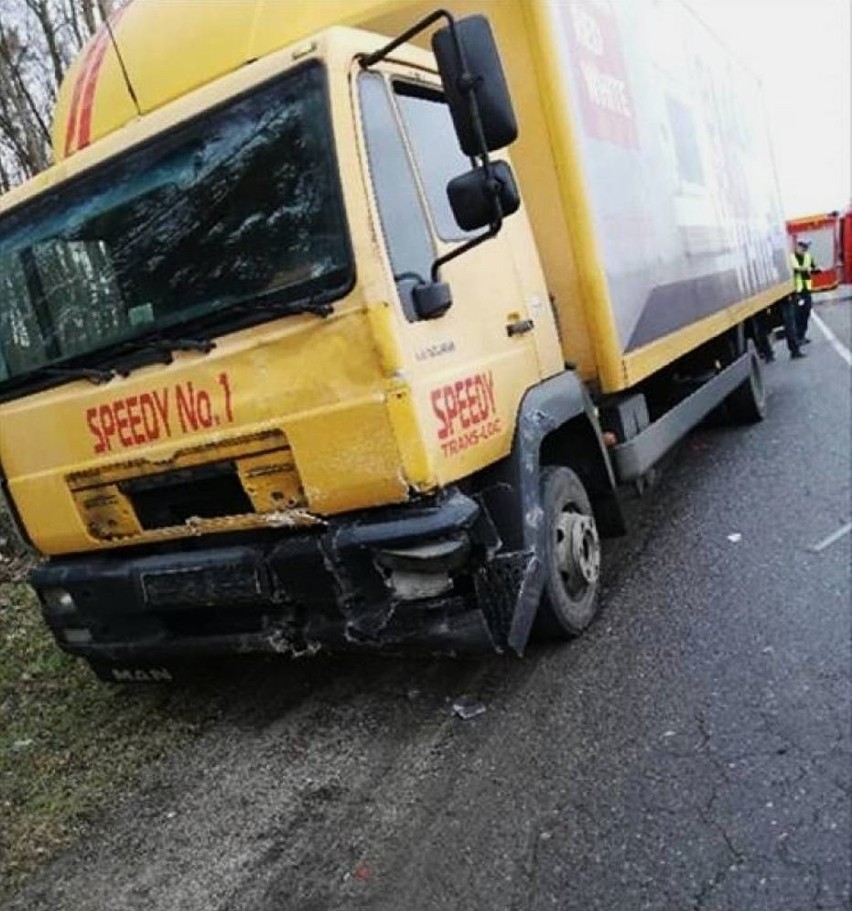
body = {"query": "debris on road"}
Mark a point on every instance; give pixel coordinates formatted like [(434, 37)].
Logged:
[(735, 537), (362, 873), (466, 708)]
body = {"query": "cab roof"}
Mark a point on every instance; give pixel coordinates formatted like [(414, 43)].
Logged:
[(170, 47)]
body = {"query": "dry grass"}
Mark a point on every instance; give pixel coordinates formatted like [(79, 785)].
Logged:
[(69, 745)]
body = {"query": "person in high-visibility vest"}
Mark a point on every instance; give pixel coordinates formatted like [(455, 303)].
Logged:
[(803, 267)]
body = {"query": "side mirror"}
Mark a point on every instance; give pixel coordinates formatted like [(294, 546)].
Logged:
[(473, 68), (474, 196), (432, 299)]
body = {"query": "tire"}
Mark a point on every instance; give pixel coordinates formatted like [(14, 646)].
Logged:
[(747, 403), (570, 556)]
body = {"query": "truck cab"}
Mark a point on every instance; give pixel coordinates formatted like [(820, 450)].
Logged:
[(219, 326), (287, 363)]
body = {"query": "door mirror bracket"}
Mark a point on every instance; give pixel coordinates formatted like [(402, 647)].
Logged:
[(481, 108)]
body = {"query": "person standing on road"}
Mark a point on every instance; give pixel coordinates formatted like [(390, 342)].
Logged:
[(789, 311), (803, 267)]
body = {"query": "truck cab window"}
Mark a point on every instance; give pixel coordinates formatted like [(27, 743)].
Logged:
[(403, 221), (238, 206), (439, 159)]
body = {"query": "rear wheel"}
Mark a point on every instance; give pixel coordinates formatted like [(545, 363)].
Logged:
[(571, 555), (747, 403)]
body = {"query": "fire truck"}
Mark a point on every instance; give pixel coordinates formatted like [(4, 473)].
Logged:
[(822, 232)]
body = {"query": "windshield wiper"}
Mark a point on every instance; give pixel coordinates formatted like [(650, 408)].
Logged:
[(162, 348), (318, 302), (92, 374), (290, 308), (204, 345)]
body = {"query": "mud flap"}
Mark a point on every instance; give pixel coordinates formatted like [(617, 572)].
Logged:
[(508, 588)]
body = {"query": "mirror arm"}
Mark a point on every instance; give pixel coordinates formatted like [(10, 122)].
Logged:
[(368, 60), (459, 251), (467, 84), (493, 231)]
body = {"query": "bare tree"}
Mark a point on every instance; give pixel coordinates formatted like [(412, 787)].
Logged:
[(38, 41)]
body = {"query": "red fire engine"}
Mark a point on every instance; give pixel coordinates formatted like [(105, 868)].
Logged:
[(846, 246), (822, 232)]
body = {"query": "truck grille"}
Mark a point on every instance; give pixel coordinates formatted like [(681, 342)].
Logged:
[(175, 497), (238, 483)]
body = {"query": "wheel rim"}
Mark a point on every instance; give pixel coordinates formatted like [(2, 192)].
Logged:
[(578, 551)]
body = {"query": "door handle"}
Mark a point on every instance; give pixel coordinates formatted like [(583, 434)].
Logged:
[(519, 327)]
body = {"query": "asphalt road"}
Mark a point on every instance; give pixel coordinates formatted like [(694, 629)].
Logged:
[(692, 751)]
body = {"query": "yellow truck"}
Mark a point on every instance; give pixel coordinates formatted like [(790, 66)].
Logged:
[(341, 324)]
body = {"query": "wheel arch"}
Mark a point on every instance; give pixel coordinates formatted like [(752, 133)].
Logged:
[(577, 444), (556, 424)]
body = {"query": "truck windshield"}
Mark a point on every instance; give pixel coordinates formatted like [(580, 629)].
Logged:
[(230, 217)]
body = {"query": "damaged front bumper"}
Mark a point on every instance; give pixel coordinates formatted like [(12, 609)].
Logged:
[(430, 575)]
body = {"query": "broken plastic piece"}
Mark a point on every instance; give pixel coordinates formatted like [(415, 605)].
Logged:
[(362, 873), (466, 708)]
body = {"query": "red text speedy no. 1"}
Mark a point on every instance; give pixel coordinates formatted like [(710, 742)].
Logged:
[(159, 414)]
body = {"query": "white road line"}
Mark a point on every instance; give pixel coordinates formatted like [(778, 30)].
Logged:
[(831, 539), (846, 354), (833, 340)]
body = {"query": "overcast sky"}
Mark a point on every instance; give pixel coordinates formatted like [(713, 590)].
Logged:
[(801, 52)]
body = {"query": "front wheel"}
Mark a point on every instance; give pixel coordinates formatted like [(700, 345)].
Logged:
[(570, 554)]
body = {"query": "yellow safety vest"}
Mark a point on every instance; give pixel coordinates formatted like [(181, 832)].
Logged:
[(802, 281)]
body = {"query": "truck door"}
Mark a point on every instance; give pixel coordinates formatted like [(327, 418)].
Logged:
[(498, 336)]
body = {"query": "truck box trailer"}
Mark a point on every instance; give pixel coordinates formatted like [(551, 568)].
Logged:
[(313, 338)]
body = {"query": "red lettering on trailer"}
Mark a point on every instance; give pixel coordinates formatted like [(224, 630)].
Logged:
[(136, 420)]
